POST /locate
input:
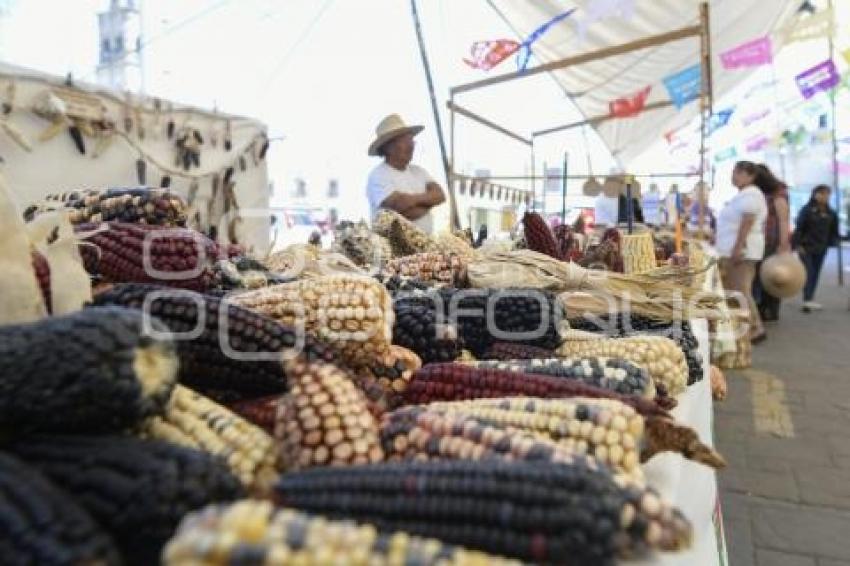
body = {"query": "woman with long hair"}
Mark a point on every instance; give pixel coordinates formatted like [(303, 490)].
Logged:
[(815, 233), (777, 236), (740, 240)]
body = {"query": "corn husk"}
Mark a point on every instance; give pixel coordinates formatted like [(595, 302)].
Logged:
[(405, 237), (663, 293), (304, 260), (449, 243)]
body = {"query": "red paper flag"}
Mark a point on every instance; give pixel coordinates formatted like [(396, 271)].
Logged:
[(487, 54), (630, 105)]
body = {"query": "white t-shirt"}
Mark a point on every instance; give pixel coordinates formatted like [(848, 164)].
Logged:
[(749, 200), (605, 210), (385, 180)]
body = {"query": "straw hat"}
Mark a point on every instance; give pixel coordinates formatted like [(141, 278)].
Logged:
[(391, 127), (783, 275), (613, 186), (592, 187)]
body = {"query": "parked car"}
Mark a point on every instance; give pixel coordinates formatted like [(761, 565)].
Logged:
[(296, 225)]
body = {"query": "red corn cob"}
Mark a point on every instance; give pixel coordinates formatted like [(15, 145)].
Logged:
[(538, 236), (42, 273), (177, 257), (260, 411), (456, 382)]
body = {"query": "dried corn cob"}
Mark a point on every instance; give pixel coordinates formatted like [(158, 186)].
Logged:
[(136, 253), (255, 533), (628, 324), (440, 268), (361, 245), (383, 381), (260, 411), (522, 316), (405, 237), (617, 375), (324, 420), (660, 356), (419, 433), (456, 245), (607, 429), (538, 511), (194, 421), (42, 524), (42, 274), (399, 284), (512, 351), (351, 313), (538, 235), (417, 328), (94, 370), (140, 205), (251, 366), (458, 382), (138, 489)]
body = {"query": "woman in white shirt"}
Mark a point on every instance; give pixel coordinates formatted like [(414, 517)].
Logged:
[(740, 240)]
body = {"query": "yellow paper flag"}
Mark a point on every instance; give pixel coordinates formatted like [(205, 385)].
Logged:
[(815, 26)]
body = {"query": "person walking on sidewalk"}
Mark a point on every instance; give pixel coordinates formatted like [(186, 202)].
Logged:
[(815, 233)]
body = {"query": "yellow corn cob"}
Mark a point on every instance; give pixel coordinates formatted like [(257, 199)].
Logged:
[(192, 420), (449, 243), (221, 535), (661, 356), (352, 313)]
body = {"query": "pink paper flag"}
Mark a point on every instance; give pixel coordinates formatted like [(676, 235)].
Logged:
[(755, 117), (842, 168), (757, 143), (750, 54)]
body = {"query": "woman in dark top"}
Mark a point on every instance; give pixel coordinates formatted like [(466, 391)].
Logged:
[(816, 232), (777, 235)]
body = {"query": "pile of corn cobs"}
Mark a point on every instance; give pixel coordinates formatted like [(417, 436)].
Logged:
[(349, 408)]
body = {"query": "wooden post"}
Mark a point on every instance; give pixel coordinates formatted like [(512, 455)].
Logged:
[(564, 189), (705, 105)]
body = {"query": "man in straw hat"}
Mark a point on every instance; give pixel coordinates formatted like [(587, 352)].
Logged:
[(397, 185)]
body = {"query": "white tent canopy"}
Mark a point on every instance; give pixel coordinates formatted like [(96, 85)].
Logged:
[(594, 84)]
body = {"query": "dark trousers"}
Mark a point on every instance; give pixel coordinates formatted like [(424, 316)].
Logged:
[(768, 304), (813, 262)]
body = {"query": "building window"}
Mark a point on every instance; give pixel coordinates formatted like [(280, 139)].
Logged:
[(333, 188), (300, 189), (119, 44)]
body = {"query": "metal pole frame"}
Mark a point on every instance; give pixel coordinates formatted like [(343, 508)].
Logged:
[(706, 103), (836, 177)]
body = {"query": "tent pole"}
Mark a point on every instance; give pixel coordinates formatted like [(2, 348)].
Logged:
[(836, 177), (447, 167), (533, 183)]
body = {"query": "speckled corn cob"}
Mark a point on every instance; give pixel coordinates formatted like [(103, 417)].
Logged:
[(142, 205), (405, 237), (608, 430), (176, 257), (443, 268), (535, 511), (607, 373), (458, 382), (384, 381), (661, 356), (194, 421), (362, 246), (420, 433), (351, 313), (324, 420), (513, 351), (255, 533)]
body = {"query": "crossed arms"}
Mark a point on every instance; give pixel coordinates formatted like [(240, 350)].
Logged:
[(415, 206)]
